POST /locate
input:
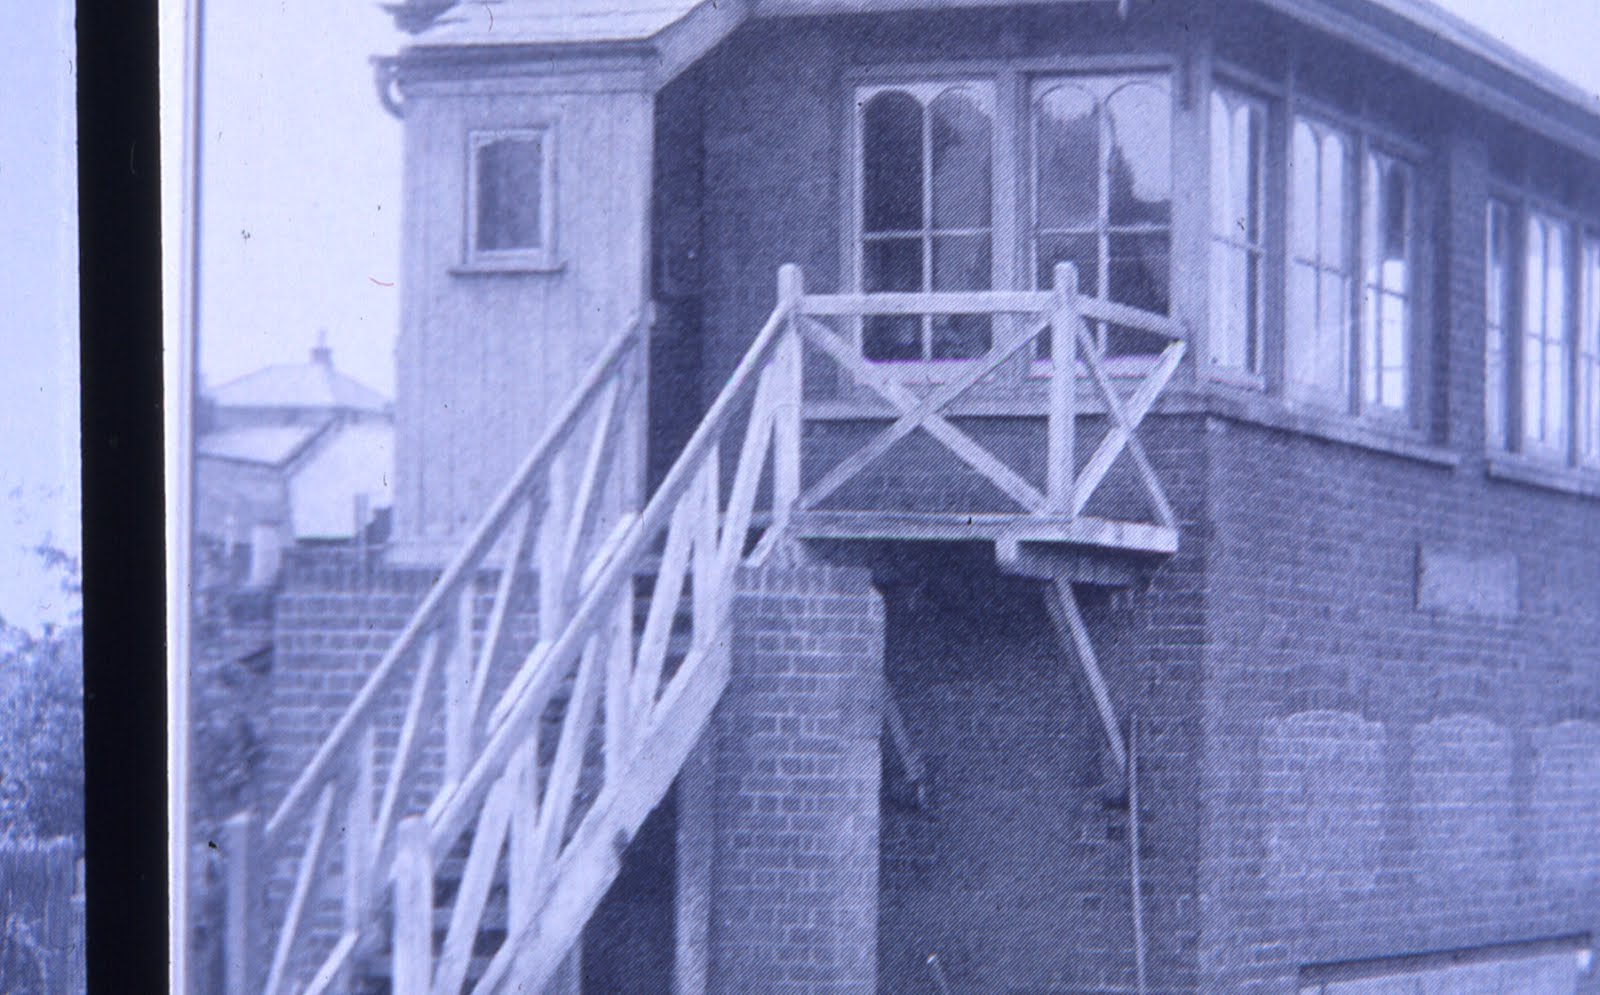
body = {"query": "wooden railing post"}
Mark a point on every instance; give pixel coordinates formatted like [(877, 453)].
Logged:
[(558, 516), (1061, 449), (787, 399), (523, 870), (458, 676), (413, 909), (358, 836), (242, 858)]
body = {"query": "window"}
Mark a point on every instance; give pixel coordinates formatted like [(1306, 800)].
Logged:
[(1350, 307), (926, 213), (1498, 298), (1321, 264), (1589, 356), (1238, 236), (510, 217), (1102, 191), (1386, 289), (1545, 357), (1542, 332)]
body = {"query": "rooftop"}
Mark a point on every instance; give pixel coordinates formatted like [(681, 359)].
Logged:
[(267, 445), (314, 384), (1419, 34)]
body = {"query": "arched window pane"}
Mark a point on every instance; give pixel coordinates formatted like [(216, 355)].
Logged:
[(1067, 152), (1303, 196), (961, 146), (1140, 162), (891, 138), (1331, 217)]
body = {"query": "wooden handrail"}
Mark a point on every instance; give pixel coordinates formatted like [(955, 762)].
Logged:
[(450, 812), (477, 546), (937, 302)]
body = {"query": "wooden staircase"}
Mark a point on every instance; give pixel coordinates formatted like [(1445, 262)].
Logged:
[(465, 847)]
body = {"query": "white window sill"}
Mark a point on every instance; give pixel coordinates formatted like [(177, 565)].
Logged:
[(523, 264), (1553, 476), (1374, 434)]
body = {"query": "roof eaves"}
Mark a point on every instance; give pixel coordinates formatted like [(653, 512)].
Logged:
[(1420, 38)]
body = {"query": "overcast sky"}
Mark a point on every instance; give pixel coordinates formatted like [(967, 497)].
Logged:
[(38, 307)]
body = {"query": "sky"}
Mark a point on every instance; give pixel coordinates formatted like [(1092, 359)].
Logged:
[(39, 482)]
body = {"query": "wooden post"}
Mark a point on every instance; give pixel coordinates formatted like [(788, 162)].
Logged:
[(358, 836), (1062, 426), (619, 687), (787, 399), (241, 855), (551, 546), (523, 869), (458, 689), (704, 564), (413, 909)]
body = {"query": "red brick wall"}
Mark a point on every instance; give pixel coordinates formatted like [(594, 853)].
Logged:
[(790, 808)]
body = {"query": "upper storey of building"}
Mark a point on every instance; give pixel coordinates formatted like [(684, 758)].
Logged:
[(1368, 221)]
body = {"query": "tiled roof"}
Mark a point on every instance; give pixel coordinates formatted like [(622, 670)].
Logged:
[(299, 385), (268, 445), (578, 22), (556, 22)]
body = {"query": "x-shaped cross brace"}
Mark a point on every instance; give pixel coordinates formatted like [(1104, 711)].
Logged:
[(921, 412)]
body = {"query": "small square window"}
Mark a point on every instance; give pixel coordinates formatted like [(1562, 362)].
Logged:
[(511, 210)]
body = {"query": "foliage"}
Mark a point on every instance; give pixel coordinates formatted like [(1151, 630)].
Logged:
[(41, 722)]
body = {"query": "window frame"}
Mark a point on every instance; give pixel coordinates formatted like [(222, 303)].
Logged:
[(1262, 250), (1285, 100), (1036, 85), (541, 258), (1579, 451), (1343, 398), (1011, 255), (861, 93), (1366, 139)]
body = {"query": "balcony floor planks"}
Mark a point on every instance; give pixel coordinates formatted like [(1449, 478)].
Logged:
[(1082, 531)]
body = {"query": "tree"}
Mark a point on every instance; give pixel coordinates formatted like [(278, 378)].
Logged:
[(41, 720)]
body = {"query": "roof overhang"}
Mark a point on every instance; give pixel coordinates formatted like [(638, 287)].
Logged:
[(670, 35)]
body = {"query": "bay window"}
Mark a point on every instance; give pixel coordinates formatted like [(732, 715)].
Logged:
[(1238, 232), (1498, 322), (1542, 332), (1321, 263), (1102, 190), (1544, 337), (926, 213), (1348, 336)]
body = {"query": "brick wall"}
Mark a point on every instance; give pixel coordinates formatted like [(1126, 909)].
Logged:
[(1394, 769), (1383, 778), (786, 811)]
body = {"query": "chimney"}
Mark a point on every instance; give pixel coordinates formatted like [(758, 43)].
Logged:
[(321, 354)]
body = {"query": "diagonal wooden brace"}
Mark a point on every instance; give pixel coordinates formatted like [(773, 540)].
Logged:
[(1126, 418), (1062, 604), (920, 412)]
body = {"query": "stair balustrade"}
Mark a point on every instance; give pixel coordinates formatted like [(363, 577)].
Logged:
[(540, 789)]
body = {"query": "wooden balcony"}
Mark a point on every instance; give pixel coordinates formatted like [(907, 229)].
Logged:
[(1104, 401)]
